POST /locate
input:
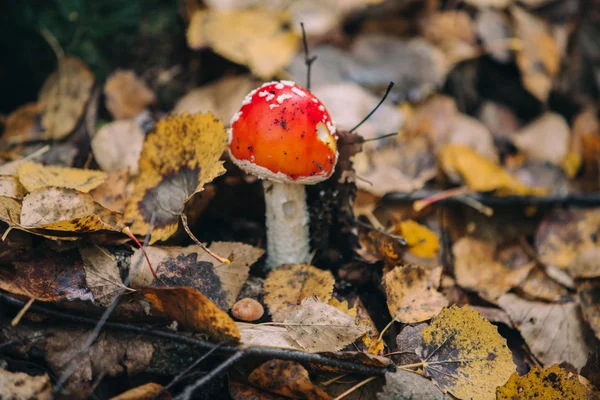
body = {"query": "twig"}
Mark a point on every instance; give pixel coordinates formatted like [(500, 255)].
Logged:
[(266, 352), (22, 312), (189, 391), (387, 135), (355, 387), (307, 59), (214, 255), (439, 196), (387, 91)]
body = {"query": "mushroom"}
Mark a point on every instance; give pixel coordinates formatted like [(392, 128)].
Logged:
[(284, 135), (247, 309)]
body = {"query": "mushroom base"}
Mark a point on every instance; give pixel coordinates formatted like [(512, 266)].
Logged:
[(287, 224)]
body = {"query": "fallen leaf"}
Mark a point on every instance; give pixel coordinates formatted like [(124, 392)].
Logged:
[(67, 210), (538, 285), (477, 268), (343, 307), (287, 378), (563, 234), (20, 386), (102, 274), (591, 369), (255, 38), (411, 293), (545, 139), (114, 192), (453, 32), (126, 94), (468, 131), (434, 119), (64, 96), (552, 383), (235, 274), (539, 58), (266, 336), (421, 241), (240, 391), (465, 355), (148, 391), (179, 157), (376, 246), (318, 327), (193, 311), (405, 385), (554, 332), (10, 211), (586, 264), (222, 98), (47, 276), (493, 28), (36, 176), (20, 125), (288, 285), (408, 341), (118, 145), (589, 296), (461, 163), (11, 187)]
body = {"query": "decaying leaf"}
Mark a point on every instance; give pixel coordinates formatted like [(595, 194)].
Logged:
[(589, 296), (114, 192), (465, 355), (477, 268), (552, 383), (118, 145), (48, 276), (36, 176), (64, 96), (586, 264), (554, 332), (266, 336), (420, 240), (179, 157), (539, 59), (288, 285), (102, 274), (126, 94), (461, 163), (287, 378), (193, 311), (411, 293), (453, 32), (67, 210), (539, 285), (408, 341), (255, 38), (405, 385), (149, 391), (20, 125), (546, 139), (10, 211), (20, 386), (380, 246), (11, 187), (241, 391), (318, 327), (563, 234)]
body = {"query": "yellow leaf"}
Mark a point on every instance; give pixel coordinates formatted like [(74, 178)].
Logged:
[(411, 293), (571, 163), (552, 383), (421, 241), (192, 310), (481, 174), (465, 355), (179, 157), (35, 176), (343, 306), (64, 96), (67, 210), (286, 287), (256, 38)]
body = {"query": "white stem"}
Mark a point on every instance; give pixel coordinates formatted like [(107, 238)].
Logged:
[(287, 224)]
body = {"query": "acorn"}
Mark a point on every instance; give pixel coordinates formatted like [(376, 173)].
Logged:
[(248, 310)]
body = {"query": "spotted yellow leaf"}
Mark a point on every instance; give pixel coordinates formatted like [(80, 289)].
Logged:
[(35, 176), (552, 383)]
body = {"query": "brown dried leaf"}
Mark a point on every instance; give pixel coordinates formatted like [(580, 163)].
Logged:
[(193, 311), (453, 32), (114, 193), (411, 293), (102, 274), (64, 96), (408, 341), (148, 391), (589, 297), (586, 264), (378, 246), (545, 139), (552, 383), (266, 336), (318, 327), (288, 285), (553, 332), (240, 391), (36, 176), (118, 145), (126, 94), (476, 268), (11, 187), (404, 385), (10, 211), (20, 125), (539, 285), (67, 210), (465, 355), (20, 386), (287, 378)]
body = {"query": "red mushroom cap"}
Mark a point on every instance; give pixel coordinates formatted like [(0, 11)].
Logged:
[(283, 133)]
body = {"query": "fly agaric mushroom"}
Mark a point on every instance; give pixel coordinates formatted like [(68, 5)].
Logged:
[(284, 135)]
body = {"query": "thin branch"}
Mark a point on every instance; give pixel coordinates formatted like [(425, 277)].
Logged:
[(219, 369), (355, 387), (387, 91), (307, 59), (387, 135)]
